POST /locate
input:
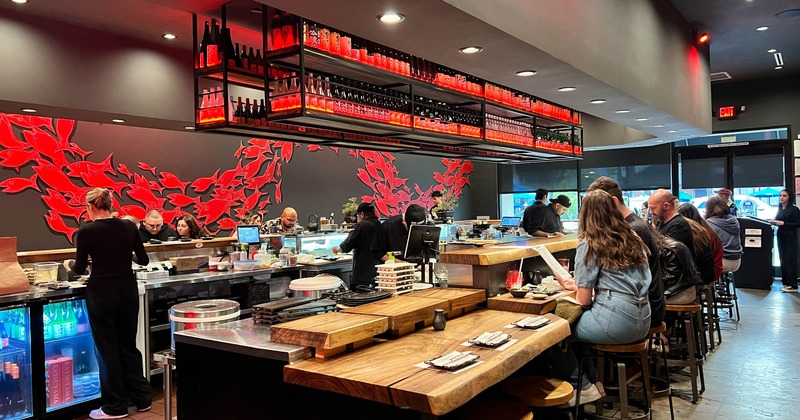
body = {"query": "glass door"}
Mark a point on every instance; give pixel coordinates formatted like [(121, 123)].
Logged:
[(16, 399), (71, 371)]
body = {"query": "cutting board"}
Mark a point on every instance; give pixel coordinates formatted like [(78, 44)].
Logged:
[(405, 313), (506, 302), (330, 333), (461, 300)]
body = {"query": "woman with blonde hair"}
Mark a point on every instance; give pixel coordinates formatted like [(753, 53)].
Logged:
[(612, 278), (112, 303)]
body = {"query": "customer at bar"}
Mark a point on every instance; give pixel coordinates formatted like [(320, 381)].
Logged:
[(650, 238), (155, 228), (668, 221), (437, 199), (612, 278), (531, 212), (250, 218), (547, 221), (359, 240), (285, 224), (112, 303), (725, 194), (133, 220), (727, 228), (707, 246), (187, 227), (393, 233), (787, 220)]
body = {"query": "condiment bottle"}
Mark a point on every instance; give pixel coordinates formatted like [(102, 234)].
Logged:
[(439, 321)]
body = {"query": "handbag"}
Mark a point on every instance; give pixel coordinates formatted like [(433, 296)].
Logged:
[(12, 277)]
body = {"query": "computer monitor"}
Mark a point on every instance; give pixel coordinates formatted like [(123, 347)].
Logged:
[(510, 221), (422, 242), (248, 234)]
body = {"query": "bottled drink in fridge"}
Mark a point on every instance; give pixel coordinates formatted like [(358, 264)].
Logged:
[(47, 320), (3, 336), (70, 321), (58, 322)]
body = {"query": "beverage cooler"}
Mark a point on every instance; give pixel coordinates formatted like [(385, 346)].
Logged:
[(49, 366)]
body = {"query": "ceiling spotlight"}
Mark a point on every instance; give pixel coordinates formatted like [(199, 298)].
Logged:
[(29, 110), (567, 89), (658, 126), (470, 50), (597, 101), (622, 111), (20, 1), (188, 127), (702, 39), (778, 67), (642, 119), (762, 28), (526, 73), (772, 50), (672, 131), (256, 10), (659, 141), (169, 36), (391, 17), (118, 120)]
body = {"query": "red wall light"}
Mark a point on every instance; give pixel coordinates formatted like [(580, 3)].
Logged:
[(702, 39)]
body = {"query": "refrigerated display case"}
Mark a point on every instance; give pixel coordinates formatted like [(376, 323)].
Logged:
[(16, 389)]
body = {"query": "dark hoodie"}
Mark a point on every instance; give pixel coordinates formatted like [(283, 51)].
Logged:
[(162, 235), (727, 228)]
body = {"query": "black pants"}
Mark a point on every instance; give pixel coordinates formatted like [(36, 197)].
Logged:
[(113, 306), (787, 248)]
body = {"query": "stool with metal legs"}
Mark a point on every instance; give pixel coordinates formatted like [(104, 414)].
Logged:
[(167, 360)]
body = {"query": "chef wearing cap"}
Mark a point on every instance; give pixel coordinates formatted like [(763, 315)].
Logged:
[(725, 194), (548, 220), (359, 241)]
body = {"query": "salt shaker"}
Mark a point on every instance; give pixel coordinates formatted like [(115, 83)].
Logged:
[(439, 321)]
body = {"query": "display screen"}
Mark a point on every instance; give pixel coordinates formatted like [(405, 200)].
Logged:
[(248, 234), (290, 242), (422, 239), (510, 221)]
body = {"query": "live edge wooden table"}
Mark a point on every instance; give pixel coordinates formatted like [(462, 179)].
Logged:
[(390, 372)]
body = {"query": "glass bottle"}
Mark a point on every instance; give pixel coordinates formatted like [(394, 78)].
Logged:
[(277, 31), (439, 322)]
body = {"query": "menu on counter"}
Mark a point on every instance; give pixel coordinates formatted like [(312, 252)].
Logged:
[(558, 270)]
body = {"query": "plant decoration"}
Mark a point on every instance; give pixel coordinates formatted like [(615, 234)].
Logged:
[(349, 210), (449, 201)]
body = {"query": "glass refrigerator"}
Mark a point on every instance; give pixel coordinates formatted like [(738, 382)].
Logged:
[(16, 389)]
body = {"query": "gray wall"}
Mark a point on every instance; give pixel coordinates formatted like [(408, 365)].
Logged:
[(773, 102)]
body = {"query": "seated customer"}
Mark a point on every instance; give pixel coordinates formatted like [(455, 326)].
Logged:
[(285, 224), (393, 233), (187, 227), (727, 228), (612, 278), (707, 247), (155, 228), (249, 218)]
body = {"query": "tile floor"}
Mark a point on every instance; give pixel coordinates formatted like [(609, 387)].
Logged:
[(750, 376)]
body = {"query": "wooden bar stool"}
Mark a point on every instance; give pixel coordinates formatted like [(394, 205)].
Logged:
[(618, 353), (687, 338), (653, 336), (481, 409), (538, 391)]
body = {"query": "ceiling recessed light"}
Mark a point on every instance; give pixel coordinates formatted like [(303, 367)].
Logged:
[(526, 73), (118, 120), (256, 10), (168, 36), (659, 141), (29, 110), (772, 50), (778, 67), (658, 125), (672, 131), (567, 89), (622, 111), (597, 101), (391, 17), (20, 1), (470, 50), (762, 28), (188, 127), (642, 119)]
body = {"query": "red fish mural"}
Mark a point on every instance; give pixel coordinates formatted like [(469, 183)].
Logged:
[(43, 152)]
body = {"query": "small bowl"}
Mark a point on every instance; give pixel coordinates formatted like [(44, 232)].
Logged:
[(518, 293), (539, 296)]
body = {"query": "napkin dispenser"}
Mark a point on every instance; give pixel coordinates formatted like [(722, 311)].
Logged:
[(154, 270)]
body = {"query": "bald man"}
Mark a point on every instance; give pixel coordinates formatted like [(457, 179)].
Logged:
[(287, 223), (662, 206)]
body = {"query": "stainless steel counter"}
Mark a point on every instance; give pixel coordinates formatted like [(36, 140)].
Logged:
[(214, 275), (243, 337), (36, 292)]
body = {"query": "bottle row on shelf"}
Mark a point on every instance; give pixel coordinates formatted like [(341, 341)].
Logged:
[(528, 103), (216, 47), (13, 326), (521, 133), (65, 319), (13, 400)]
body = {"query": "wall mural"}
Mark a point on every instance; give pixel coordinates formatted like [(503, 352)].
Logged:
[(63, 173)]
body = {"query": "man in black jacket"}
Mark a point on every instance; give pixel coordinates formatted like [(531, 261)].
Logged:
[(393, 233), (359, 240), (155, 228)]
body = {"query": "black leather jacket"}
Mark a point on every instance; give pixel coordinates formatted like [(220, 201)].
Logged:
[(678, 269)]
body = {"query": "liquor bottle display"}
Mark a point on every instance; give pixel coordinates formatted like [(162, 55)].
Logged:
[(15, 392), (445, 118)]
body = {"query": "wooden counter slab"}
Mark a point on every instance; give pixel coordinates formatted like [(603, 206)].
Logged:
[(330, 333), (528, 305), (461, 300), (508, 252), (403, 312)]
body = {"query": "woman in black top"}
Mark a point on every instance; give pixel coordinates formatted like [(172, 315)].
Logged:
[(787, 220), (112, 303), (187, 227)]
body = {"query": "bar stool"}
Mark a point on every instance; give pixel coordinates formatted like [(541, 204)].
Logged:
[(686, 338), (618, 353), (479, 409), (653, 336), (709, 315), (727, 297), (167, 360), (538, 391)]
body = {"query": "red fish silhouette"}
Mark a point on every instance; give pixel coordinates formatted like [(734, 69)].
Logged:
[(226, 179), (145, 196), (14, 158), (96, 178), (238, 152), (251, 152), (182, 200), (314, 147), (64, 130), (252, 200), (287, 149), (135, 211), (335, 150), (141, 181), (46, 144), (56, 201), (226, 224), (263, 204), (77, 150), (170, 215), (57, 224), (124, 170), (7, 137), (155, 187), (212, 209), (169, 180), (54, 177), (76, 168), (251, 169), (15, 185), (201, 184), (278, 194), (145, 167)]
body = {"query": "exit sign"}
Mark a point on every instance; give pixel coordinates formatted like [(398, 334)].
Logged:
[(727, 112)]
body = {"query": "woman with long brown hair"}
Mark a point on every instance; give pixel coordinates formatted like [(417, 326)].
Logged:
[(707, 246), (611, 278), (187, 227)]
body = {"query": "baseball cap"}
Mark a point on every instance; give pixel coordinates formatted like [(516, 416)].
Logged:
[(723, 191), (563, 200), (365, 208)]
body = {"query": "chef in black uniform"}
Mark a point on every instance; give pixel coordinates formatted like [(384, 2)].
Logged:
[(112, 303), (359, 240), (393, 233)]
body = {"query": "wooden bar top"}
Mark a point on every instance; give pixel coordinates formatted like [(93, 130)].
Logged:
[(67, 253), (389, 372), (507, 252), (528, 305)]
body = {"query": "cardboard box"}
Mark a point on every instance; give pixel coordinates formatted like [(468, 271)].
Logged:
[(151, 275), (53, 382), (65, 363), (191, 264)]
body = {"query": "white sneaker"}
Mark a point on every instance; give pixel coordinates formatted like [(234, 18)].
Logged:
[(588, 395), (788, 289), (100, 414)]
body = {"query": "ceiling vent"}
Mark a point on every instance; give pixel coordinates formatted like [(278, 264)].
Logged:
[(722, 75)]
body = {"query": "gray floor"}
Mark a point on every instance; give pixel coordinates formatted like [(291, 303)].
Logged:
[(752, 375)]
